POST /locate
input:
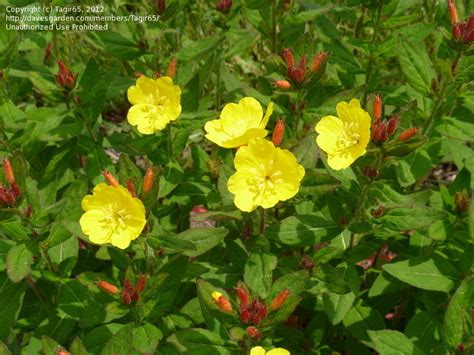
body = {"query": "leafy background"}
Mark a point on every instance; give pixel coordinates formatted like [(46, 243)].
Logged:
[(383, 264)]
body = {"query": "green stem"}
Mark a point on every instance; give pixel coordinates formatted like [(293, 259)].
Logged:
[(169, 139), (274, 25), (363, 197), (261, 211), (439, 99)]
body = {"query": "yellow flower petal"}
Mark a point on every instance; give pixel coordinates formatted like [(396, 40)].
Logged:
[(112, 216), (257, 350), (344, 138), (155, 104), (264, 175), (238, 123), (278, 351)]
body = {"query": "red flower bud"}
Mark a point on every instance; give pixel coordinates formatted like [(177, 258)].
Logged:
[(245, 315), (288, 57), (65, 77), (148, 180), (224, 5), (171, 70), (126, 298), (318, 61), (110, 178), (296, 74), (307, 263), (453, 13), (107, 287), (457, 31), (8, 171), (141, 283), (243, 296), (161, 5), (131, 188), (461, 201), (392, 125), (278, 132), (47, 52), (282, 84), (407, 134), (377, 107), (6, 197), (302, 63), (253, 332), (128, 288), (279, 299)]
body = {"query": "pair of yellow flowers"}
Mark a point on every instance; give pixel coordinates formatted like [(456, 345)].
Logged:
[(264, 175)]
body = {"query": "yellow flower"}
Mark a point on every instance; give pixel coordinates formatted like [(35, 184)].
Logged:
[(155, 102), (239, 123), (344, 138), (258, 350), (112, 216), (264, 175)]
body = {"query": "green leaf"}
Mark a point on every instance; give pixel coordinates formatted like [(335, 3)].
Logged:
[(77, 348), (19, 259), (94, 89), (120, 343), (203, 239), (199, 341), (119, 46), (146, 338), (303, 231), (361, 319), (415, 65), (258, 273), (428, 273), (336, 306), (11, 299), (198, 48), (423, 330), (411, 218), (391, 342), (329, 279), (458, 319), (172, 175), (50, 346), (316, 184)]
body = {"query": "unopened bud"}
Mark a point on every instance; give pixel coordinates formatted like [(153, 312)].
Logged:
[(453, 13), (28, 211), (318, 61), (456, 31), (171, 70), (377, 107), (288, 57), (62, 352), (107, 287), (384, 132), (279, 299), (141, 283), (246, 231), (126, 298), (278, 132), (307, 263), (302, 63), (296, 74), (222, 302), (110, 178), (8, 171), (407, 134), (148, 180), (47, 52), (243, 296), (253, 332), (138, 74), (224, 5), (131, 188), (245, 315), (282, 84), (161, 5), (378, 212), (379, 132), (6, 197), (392, 125), (65, 77)]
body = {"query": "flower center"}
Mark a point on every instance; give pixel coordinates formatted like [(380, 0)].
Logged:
[(350, 136), (115, 218)]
